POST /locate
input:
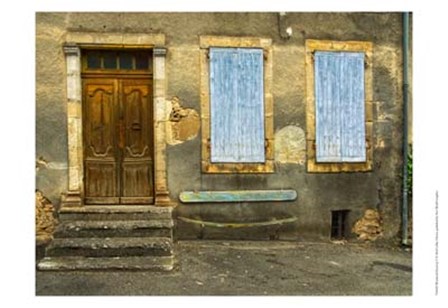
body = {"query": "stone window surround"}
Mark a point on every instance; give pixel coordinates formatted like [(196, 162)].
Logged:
[(72, 50), (324, 45), (205, 43)]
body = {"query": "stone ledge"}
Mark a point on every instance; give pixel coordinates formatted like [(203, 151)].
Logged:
[(117, 224), (111, 247), (117, 209), (118, 263)]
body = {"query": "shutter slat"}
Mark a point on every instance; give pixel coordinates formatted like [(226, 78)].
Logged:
[(223, 103), (250, 106), (339, 90), (353, 128), (327, 109)]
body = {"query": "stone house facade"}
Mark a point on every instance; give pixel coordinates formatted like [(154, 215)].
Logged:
[(224, 118)]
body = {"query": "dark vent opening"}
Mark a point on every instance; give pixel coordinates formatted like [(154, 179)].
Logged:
[(339, 227)]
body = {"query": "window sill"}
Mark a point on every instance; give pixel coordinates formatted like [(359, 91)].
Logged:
[(267, 167)]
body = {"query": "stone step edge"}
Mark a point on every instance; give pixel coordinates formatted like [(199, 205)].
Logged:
[(105, 209), (151, 263), (109, 242), (72, 225)]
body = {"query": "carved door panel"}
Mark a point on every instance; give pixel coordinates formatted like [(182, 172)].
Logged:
[(100, 155), (118, 148), (137, 163)]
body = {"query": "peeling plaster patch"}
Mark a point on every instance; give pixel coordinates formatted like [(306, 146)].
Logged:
[(183, 123), (290, 145)]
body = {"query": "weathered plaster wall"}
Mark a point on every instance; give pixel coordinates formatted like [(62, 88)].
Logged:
[(318, 194), (51, 120)]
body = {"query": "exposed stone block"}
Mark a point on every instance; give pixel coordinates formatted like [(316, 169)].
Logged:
[(45, 220), (369, 227)]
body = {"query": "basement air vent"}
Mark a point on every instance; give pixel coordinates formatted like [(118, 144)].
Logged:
[(339, 227)]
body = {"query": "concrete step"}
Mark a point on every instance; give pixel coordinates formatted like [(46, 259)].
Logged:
[(110, 247), (162, 263), (115, 212), (115, 228)]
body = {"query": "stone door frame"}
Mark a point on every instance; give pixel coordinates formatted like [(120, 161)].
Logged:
[(74, 41)]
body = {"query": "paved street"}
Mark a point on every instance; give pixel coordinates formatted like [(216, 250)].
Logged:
[(252, 268)]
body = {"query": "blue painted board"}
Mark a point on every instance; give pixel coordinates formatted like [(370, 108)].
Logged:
[(237, 196)]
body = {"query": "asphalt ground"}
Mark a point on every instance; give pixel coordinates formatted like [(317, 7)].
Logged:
[(252, 268)]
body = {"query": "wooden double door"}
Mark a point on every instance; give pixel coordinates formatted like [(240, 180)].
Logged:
[(118, 140)]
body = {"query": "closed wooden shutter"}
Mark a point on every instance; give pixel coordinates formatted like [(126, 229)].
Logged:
[(237, 109), (340, 105)]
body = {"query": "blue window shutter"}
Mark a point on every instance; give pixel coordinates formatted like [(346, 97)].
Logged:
[(223, 104), (237, 109), (250, 106), (340, 105)]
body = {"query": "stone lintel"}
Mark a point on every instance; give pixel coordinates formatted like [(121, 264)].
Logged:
[(114, 39), (207, 41)]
